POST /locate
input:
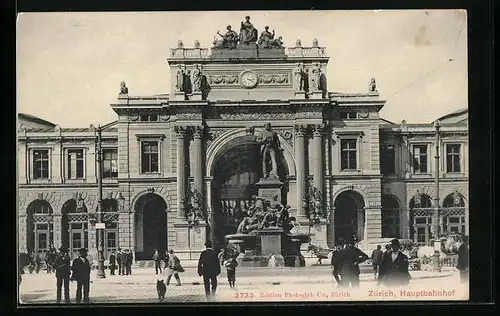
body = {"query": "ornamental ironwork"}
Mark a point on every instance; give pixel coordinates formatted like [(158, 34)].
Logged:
[(42, 218)]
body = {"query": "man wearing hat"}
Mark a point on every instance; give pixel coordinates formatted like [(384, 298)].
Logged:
[(209, 268), (393, 269), (62, 265), (81, 273), (349, 260)]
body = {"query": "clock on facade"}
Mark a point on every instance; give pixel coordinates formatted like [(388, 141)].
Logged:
[(249, 79)]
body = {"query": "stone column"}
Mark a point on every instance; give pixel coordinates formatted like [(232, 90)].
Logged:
[(181, 132), (198, 157), (300, 157), (318, 167), (57, 233)]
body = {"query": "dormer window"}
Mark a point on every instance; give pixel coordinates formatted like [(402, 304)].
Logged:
[(148, 117)]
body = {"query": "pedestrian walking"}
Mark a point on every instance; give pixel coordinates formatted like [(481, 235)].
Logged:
[(128, 262), (81, 274), (38, 263), (157, 260), (376, 259), (231, 265), (463, 260), (119, 260), (335, 264), (394, 267), (350, 258), (112, 263), (174, 268), (209, 268), (62, 266)]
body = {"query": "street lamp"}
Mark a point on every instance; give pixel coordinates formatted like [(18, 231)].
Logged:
[(100, 223)]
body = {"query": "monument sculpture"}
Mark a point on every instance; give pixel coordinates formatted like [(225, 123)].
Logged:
[(229, 40), (123, 88), (248, 33), (265, 38), (270, 146), (196, 78), (265, 227)]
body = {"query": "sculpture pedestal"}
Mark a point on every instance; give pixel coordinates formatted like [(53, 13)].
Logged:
[(300, 94), (180, 96), (270, 240), (316, 94), (196, 96), (270, 189)]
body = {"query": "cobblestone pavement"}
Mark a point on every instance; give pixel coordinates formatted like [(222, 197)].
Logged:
[(140, 288)]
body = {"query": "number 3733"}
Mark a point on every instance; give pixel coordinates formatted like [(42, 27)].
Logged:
[(243, 295)]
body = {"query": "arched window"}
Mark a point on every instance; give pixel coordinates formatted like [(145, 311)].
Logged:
[(40, 226), (421, 218), (453, 213)]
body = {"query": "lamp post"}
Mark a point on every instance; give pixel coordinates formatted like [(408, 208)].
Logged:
[(100, 224), (436, 220)]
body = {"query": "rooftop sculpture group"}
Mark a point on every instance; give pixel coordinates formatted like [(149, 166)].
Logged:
[(248, 35)]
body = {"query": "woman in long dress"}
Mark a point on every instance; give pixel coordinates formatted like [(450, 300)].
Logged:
[(173, 268)]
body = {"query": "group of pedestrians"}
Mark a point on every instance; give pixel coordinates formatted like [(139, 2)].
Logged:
[(390, 267), (122, 259)]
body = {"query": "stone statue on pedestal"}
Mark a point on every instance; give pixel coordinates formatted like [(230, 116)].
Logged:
[(181, 78), (270, 145), (315, 77), (373, 85), (248, 33), (123, 88), (196, 78), (299, 76)]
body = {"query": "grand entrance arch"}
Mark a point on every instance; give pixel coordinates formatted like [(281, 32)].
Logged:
[(236, 170), (150, 225), (349, 217)]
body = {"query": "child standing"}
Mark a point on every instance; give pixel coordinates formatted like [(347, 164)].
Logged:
[(231, 265)]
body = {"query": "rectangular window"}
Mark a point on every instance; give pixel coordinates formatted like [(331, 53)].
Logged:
[(111, 241), (148, 118), (453, 158), (420, 158), (348, 154), (149, 157), (41, 164), (388, 160), (110, 163), (75, 163)]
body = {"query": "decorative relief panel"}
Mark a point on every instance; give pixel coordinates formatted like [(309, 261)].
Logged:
[(248, 116), (265, 78), (287, 135), (214, 134)]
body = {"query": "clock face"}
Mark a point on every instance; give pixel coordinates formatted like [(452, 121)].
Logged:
[(249, 79)]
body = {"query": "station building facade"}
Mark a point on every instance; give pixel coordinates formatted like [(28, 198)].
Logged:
[(377, 178)]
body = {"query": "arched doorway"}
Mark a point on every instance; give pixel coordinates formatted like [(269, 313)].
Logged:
[(453, 213), (390, 217), (75, 226), (150, 225), (421, 218), (40, 227), (349, 215), (110, 209), (236, 171)]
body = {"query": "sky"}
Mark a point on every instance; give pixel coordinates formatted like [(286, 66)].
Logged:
[(69, 65)]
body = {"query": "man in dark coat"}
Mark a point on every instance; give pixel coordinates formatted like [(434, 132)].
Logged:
[(128, 262), (336, 264), (209, 268), (81, 274), (376, 259), (112, 263), (62, 265), (463, 260), (119, 260), (393, 269), (350, 258)]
